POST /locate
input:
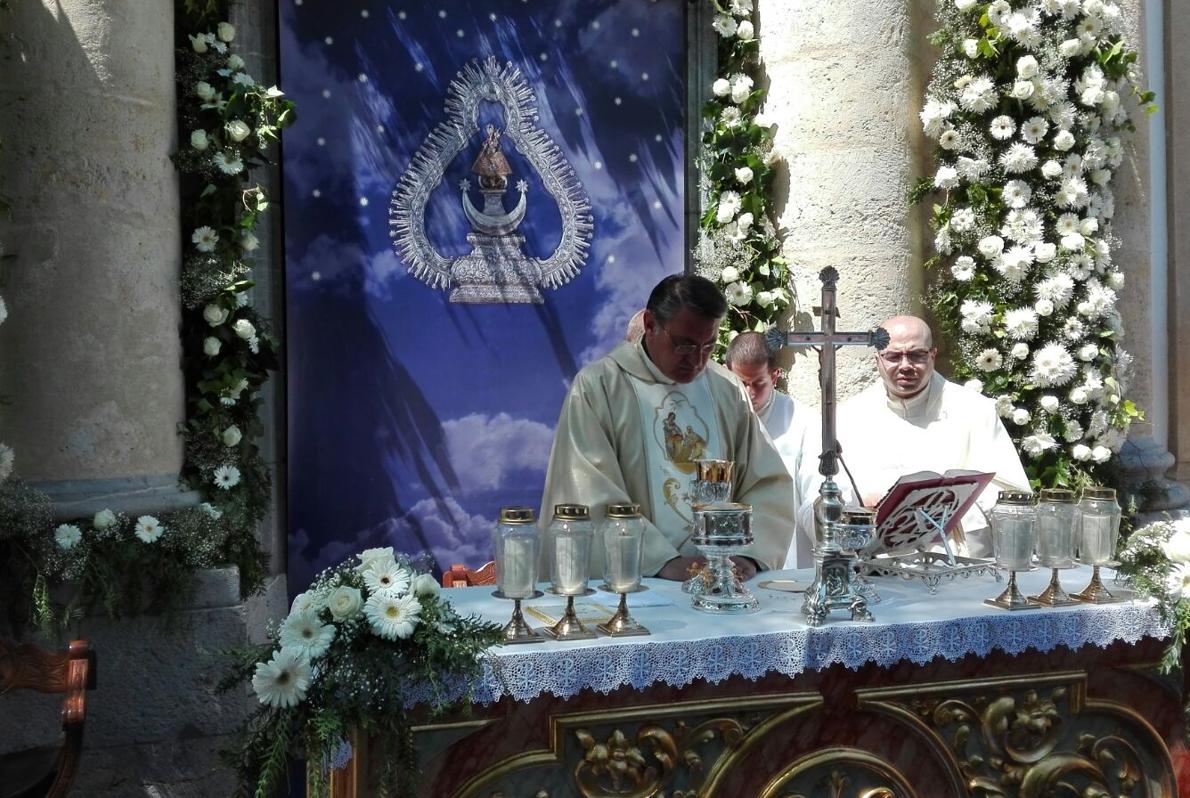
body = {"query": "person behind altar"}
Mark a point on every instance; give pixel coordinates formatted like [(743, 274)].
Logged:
[(913, 419), (634, 421), (789, 425)]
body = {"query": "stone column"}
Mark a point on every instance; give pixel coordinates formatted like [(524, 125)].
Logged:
[(1140, 186), (1174, 101), (846, 80), (90, 354)]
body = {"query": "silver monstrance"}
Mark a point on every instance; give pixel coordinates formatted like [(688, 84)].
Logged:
[(835, 584)]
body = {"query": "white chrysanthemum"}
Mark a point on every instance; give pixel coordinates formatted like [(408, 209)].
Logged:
[(1115, 280), (1019, 351), (1072, 193), (1101, 299), (942, 241), (1093, 383), (962, 220), (1038, 444), (979, 95), (1016, 193), (1057, 289), (1018, 158), (282, 681), (724, 25), (1023, 225), (393, 617), (729, 205), (226, 477), (1002, 127), (934, 115), (148, 529), (988, 360), (963, 268), (205, 238), (67, 536), (1014, 263), (304, 633), (387, 577), (978, 312), (1052, 366), (738, 293), (1063, 115), (1073, 432), (1034, 129), (1021, 323), (1023, 27), (947, 177), (971, 168)]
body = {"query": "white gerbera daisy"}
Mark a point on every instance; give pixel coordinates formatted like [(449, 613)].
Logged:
[(67, 536), (305, 633), (148, 529), (282, 681), (988, 360), (227, 477), (1073, 329), (1002, 127), (962, 220), (1052, 366), (228, 162), (393, 617), (1021, 323), (387, 577), (1034, 129), (1016, 193), (949, 139), (205, 238), (963, 268), (1018, 158), (1066, 224)]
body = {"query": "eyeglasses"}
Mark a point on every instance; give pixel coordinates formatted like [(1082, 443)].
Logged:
[(684, 350), (915, 356)]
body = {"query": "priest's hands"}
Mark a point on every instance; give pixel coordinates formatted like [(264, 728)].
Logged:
[(680, 569)]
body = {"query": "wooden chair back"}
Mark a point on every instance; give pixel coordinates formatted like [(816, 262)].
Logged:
[(71, 672), (460, 575)]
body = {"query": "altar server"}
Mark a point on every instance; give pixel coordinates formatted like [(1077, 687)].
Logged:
[(635, 420), (790, 425), (913, 419)]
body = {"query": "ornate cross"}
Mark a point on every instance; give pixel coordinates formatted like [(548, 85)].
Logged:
[(833, 586)]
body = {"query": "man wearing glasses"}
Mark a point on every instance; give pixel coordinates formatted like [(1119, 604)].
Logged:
[(634, 421), (914, 420)]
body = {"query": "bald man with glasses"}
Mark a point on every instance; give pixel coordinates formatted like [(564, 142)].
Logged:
[(634, 421), (913, 419)]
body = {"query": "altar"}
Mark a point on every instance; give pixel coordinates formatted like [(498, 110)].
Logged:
[(939, 696)]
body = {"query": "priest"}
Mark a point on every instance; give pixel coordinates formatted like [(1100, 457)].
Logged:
[(791, 426), (913, 419), (635, 420)]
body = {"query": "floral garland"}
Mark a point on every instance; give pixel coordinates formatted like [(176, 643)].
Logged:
[(346, 658), (228, 121), (737, 240), (1155, 560), (1027, 106)]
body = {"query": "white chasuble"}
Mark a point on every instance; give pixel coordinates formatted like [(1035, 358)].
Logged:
[(680, 426)]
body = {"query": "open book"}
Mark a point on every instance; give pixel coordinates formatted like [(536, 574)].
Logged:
[(919, 507)]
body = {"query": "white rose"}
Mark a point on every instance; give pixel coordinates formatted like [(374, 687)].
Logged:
[(1049, 403), (964, 5), (1045, 252), (1044, 307), (971, 48), (226, 31), (1088, 226), (234, 62), (425, 585), (743, 174), (991, 246), (215, 315), (1101, 454), (1177, 548), (344, 602), (1051, 169), (1069, 48), (199, 43), (1026, 67), (975, 385), (1088, 352), (1079, 396), (211, 345), (1023, 89), (744, 222), (1021, 416), (721, 87), (729, 274), (1081, 452), (745, 31), (198, 140), (237, 130), (244, 329), (1020, 350), (764, 299), (740, 92), (204, 91), (104, 519), (1063, 141), (231, 436)]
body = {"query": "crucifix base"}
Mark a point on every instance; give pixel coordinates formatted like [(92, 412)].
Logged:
[(836, 586)]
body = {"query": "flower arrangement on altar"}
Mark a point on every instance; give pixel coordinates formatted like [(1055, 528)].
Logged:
[(368, 640), (737, 241), (228, 121), (1028, 105), (1155, 560)]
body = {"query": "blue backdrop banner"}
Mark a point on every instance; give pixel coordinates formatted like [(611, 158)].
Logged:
[(478, 195)]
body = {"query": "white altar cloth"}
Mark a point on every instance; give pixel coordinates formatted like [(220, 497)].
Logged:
[(687, 644)]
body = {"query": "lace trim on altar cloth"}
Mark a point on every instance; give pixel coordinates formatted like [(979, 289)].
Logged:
[(524, 676)]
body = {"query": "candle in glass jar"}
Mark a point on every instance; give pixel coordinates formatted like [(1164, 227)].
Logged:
[(1099, 525), (622, 532), (1013, 530), (517, 569), (1056, 521), (570, 567)]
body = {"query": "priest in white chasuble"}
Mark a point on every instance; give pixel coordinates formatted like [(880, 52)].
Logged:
[(790, 425), (635, 421), (913, 419)]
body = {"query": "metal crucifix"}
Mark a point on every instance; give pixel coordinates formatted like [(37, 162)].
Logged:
[(834, 583)]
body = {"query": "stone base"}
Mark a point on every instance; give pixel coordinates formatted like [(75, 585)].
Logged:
[(1145, 463), (155, 724), (136, 495)]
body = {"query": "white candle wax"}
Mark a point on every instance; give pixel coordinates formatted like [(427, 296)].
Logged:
[(519, 567), (570, 567)]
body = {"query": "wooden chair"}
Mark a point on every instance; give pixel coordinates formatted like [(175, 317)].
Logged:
[(24, 774), (460, 575)]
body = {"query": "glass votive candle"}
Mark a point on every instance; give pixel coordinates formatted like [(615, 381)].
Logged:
[(569, 537), (622, 532), (1099, 525), (1056, 521), (516, 547), (1013, 520)]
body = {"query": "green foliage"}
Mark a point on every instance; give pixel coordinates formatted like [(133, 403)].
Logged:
[(1147, 563)]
